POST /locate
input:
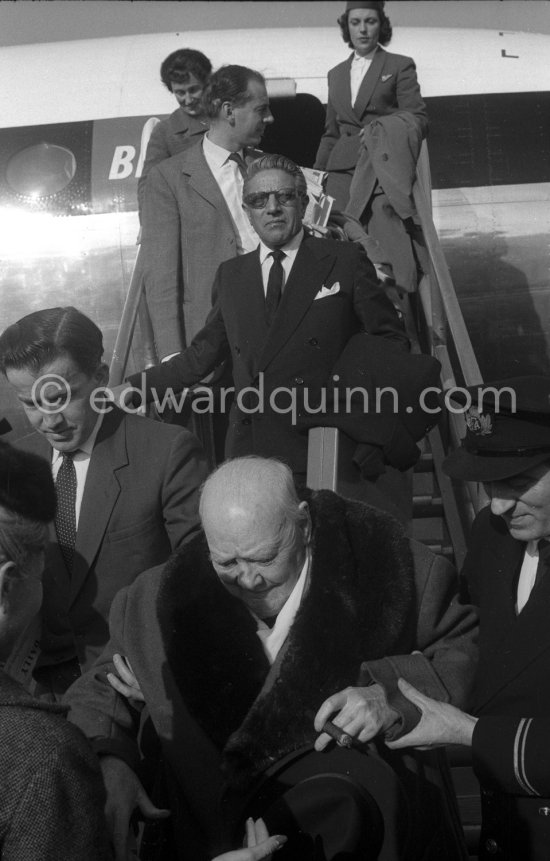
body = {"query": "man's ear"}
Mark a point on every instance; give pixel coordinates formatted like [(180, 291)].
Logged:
[(6, 581), (306, 523), (101, 374), (227, 112)]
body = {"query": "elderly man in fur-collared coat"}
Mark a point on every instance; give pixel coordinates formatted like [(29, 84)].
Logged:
[(284, 612)]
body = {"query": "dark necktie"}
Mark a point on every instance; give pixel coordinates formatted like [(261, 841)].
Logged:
[(274, 285), (65, 515), (239, 161)]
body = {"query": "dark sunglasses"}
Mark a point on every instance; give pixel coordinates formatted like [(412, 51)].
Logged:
[(283, 196)]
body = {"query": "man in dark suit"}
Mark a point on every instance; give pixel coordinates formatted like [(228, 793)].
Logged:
[(192, 216), (127, 486), (507, 447), (284, 313)]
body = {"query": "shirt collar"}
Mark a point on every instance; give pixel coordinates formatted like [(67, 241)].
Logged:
[(290, 249), (84, 450), (217, 154)]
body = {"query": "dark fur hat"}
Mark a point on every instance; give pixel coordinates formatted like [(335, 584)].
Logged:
[(26, 484)]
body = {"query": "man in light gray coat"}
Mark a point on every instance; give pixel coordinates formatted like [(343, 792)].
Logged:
[(192, 214)]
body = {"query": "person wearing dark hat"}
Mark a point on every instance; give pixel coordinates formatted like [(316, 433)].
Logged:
[(375, 123), (287, 610), (507, 447), (51, 804)]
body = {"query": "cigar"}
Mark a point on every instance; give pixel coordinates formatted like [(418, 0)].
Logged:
[(341, 737)]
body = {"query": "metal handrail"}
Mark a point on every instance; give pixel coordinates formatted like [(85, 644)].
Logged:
[(125, 333)]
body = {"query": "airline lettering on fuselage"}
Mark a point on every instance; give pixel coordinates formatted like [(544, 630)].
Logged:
[(122, 163)]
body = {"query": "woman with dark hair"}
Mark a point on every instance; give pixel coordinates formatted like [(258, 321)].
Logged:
[(364, 92), (184, 73)]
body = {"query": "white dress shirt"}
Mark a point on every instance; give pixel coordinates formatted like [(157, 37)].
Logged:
[(273, 638), (81, 462), (290, 249), (229, 178), (359, 68), (527, 574)]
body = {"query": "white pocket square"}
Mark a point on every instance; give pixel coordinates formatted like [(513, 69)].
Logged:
[(385, 78), (328, 291)]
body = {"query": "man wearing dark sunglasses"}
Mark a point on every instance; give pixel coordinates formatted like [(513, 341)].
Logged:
[(284, 313)]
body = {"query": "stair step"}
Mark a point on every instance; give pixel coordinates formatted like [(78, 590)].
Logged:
[(424, 484), (427, 506), (425, 463), (430, 530)]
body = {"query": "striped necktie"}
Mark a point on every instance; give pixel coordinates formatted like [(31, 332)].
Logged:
[(65, 515)]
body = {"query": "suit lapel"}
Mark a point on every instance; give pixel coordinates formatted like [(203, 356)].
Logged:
[(101, 492), (510, 642), (342, 91), (307, 276), (201, 178), (369, 83)]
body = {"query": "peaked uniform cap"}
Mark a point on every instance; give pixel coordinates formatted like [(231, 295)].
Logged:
[(507, 429)]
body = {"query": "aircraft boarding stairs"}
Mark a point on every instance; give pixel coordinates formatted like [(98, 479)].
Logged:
[(442, 511)]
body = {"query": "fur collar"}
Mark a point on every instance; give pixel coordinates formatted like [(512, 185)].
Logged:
[(359, 606)]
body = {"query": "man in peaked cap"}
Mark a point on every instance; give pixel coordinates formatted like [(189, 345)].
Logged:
[(507, 447)]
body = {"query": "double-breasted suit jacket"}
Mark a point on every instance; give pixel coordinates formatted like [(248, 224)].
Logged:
[(187, 231), (140, 503), (288, 363), (170, 136), (512, 697), (389, 85)]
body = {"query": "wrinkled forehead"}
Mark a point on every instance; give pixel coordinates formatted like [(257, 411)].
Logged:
[(270, 180)]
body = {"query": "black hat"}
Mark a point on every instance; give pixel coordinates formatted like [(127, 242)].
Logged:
[(339, 803), (366, 4), (26, 484), (507, 429)]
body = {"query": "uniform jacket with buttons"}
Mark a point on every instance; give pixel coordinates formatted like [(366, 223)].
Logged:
[(390, 84), (297, 353), (512, 697), (187, 231)]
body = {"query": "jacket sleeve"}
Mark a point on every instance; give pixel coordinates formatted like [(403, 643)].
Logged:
[(511, 754), (106, 718), (331, 134), (208, 349), (60, 813), (157, 150), (443, 664), (161, 256), (408, 94), (185, 471), (375, 311)]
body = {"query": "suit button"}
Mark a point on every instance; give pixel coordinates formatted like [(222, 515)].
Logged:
[(544, 811), (246, 421), (384, 156), (313, 342), (299, 381), (491, 846)]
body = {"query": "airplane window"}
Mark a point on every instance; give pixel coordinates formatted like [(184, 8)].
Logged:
[(40, 170)]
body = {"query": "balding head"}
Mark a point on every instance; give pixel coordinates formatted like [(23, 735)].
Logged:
[(257, 531)]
